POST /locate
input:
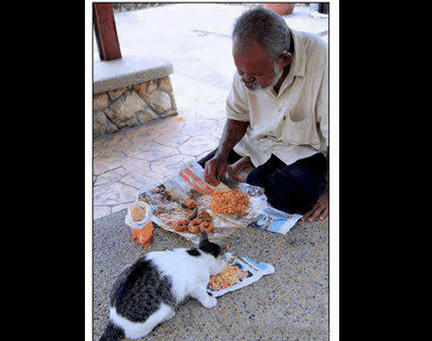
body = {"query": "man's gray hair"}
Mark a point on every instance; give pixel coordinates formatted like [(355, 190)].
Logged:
[(265, 27)]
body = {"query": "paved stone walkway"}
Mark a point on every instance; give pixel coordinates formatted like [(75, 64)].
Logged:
[(199, 46), (144, 155)]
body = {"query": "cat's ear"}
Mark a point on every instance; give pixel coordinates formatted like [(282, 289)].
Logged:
[(226, 247), (203, 237)]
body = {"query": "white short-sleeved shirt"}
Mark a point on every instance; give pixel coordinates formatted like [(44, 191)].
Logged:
[(293, 124)]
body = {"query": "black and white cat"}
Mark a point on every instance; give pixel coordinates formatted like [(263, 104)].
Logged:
[(147, 292)]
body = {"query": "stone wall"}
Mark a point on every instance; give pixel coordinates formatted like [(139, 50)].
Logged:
[(132, 105), (131, 6)]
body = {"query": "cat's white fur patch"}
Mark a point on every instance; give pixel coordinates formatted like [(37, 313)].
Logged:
[(186, 272)]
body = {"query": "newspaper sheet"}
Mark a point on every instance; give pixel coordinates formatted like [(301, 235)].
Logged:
[(167, 203), (245, 272)]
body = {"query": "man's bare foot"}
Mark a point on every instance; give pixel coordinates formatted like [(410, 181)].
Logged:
[(240, 170), (320, 209)]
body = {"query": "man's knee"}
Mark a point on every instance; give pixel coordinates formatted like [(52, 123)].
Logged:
[(295, 191), (294, 201)]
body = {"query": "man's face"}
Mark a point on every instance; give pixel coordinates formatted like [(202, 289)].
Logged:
[(256, 69)]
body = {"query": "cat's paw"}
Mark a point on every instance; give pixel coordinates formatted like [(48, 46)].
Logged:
[(210, 302)]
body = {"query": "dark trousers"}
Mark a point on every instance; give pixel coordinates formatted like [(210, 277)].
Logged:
[(294, 188)]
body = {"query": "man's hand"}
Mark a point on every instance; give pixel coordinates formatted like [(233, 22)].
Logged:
[(215, 169), (320, 209)]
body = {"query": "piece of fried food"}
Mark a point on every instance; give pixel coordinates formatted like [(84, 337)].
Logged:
[(198, 225), (181, 225), (205, 216), (189, 204), (207, 227), (194, 228), (196, 221)]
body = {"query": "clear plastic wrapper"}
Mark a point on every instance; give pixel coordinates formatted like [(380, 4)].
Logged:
[(185, 195)]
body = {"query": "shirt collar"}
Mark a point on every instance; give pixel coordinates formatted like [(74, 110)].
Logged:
[(299, 61), (298, 65)]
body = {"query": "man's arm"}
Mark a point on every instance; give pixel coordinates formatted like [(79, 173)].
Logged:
[(215, 168), (321, 207)]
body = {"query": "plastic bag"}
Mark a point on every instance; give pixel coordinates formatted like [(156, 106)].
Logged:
[(139, 220)]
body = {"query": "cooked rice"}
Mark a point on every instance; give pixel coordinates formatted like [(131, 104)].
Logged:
[(227, 277), (229, 202)]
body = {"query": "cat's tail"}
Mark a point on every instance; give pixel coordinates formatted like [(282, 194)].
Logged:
[(112, 333)]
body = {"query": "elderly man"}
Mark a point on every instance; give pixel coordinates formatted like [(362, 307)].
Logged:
[(276, 133)]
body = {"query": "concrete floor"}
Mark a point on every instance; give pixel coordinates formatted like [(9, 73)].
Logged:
[(290, 304)]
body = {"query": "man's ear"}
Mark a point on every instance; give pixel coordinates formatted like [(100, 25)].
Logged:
[(286, 59)]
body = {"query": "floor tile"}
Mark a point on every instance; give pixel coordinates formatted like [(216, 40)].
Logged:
[(113, 193), (167, 166), (170, 139), (199, 144), (199, 126), (108, 160), (110, 176)]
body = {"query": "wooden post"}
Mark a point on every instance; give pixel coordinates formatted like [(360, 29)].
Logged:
[(323, 7), (106, 33)]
